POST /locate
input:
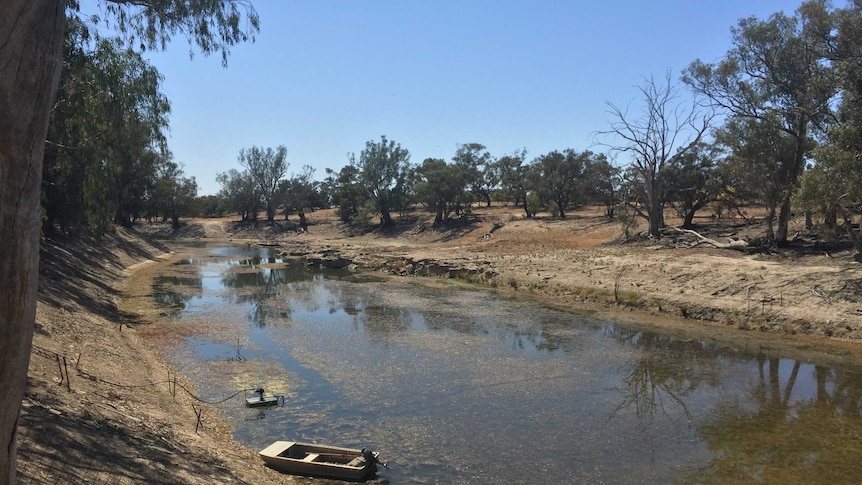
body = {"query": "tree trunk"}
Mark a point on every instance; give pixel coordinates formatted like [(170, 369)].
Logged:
[(655, 210), (654, 222), (303, 222), (270, 214), (31, 52), (526, 207), (385, 217), (688, 220), (770, 218), (783, 222)]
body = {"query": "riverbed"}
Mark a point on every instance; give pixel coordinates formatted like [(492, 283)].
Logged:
[(454, 384)]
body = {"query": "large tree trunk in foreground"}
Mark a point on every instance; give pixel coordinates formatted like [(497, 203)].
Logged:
[(31, 51)]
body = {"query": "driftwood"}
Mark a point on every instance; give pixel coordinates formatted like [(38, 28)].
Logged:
[(730, 244)]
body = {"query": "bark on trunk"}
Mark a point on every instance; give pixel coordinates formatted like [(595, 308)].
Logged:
[(770, 219), (783, 222), (688, 221), (656, 221), (655, 211), (438, 218), (31, 50), (385, 217)]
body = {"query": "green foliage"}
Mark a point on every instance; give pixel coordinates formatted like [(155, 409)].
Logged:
[(512, 174), (477, 170), (241, 193), (441, 187), (777, 83), (384, 170), (173, 194), (345, 190), (212, 25), (105, 140), (693, 182), (267, 167), (207, 206), (534, 203), (106, 155), (300, 194), (561, 178), (603, 184)]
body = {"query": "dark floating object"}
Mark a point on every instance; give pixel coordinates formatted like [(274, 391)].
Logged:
[(263, 399)]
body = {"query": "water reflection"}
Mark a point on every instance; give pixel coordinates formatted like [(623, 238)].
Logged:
[(666, 372), (460, 386), (795, 421)]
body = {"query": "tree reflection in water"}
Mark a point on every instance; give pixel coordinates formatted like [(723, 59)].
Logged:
[(669, 369), (773, 432), (774, 438)]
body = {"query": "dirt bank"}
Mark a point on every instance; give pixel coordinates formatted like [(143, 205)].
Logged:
[(99, 407)]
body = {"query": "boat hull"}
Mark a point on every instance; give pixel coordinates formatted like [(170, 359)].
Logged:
[(258, 401), (319, 460)]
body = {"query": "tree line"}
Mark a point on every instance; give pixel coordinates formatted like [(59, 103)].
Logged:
[(776, 122)]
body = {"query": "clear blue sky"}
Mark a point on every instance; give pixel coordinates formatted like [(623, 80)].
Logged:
[(324, 77)]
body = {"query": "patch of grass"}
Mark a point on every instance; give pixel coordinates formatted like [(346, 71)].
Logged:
[(629, 298)]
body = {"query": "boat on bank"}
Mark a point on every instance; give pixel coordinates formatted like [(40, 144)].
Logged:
[(320, 460)]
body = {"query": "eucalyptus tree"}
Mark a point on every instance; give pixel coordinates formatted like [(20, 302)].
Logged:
[(776, 73), (756, 167), (345, 190), (105, 137), (30, 65), (173, 193), (512, 173), (694, 182), (833, 185), (441, 187), (477, 166), (604, 182), (660, 136), (300, 194), (561, 177), (267, 167), (382, 167), (241, 192)]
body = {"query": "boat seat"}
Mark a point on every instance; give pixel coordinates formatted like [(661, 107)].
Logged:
[(311, 457), (358, 461)]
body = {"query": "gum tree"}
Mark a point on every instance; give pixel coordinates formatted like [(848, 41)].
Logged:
[(31, 53), (775, 74), (660, 136), (267, 168), (382, 168)]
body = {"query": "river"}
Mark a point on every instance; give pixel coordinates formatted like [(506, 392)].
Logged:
[(453, 384)]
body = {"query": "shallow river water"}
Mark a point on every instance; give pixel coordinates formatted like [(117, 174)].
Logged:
[(459, 385)]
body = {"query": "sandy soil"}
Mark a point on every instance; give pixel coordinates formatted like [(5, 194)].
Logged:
[(99, 407)]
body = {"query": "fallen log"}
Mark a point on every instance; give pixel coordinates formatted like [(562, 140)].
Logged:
[(701, 239)]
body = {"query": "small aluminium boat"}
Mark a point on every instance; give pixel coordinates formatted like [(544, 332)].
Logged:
[(262, 398), (320, 460)]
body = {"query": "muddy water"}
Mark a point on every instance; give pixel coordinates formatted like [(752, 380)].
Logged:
[(454, 385)]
